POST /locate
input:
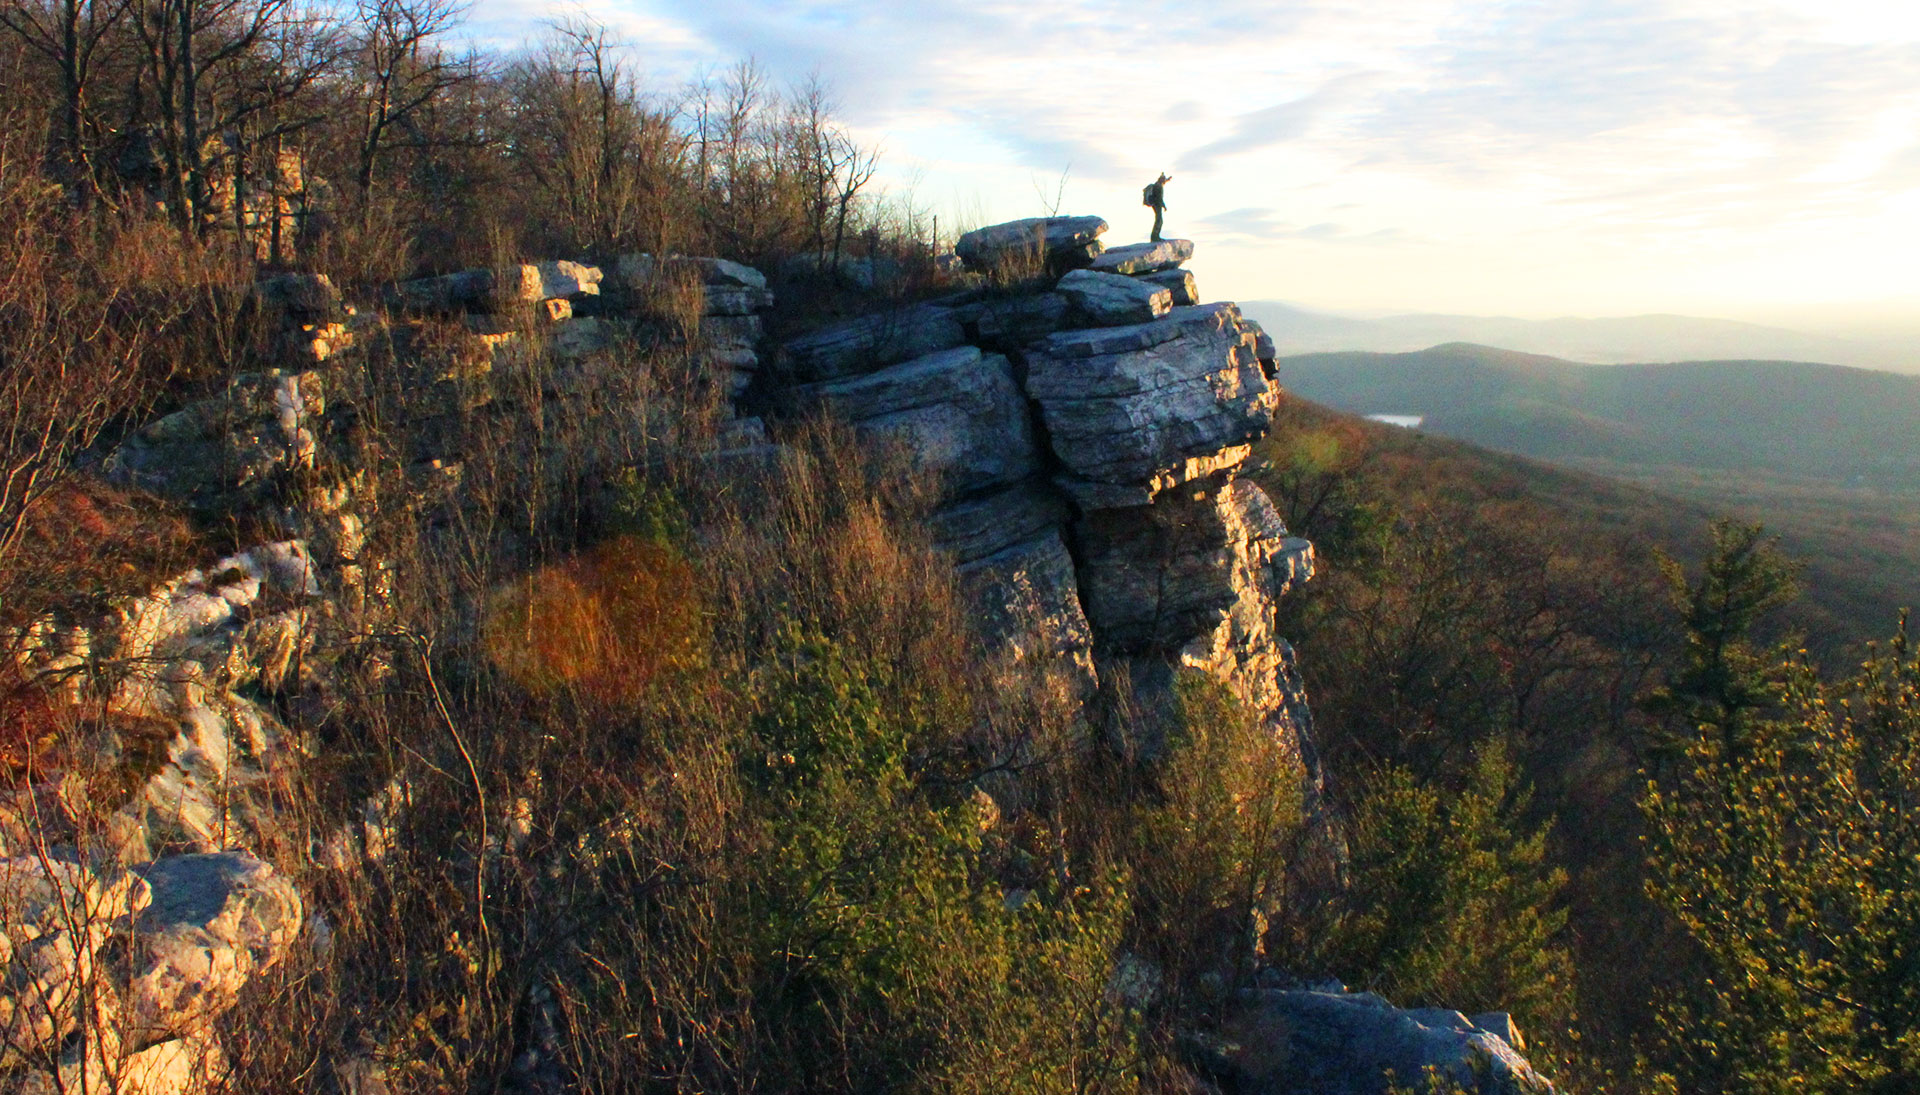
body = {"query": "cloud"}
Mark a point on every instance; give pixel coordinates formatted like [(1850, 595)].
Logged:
[(1276, 124), (1257, 225)]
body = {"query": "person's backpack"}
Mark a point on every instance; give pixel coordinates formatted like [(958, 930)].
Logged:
[(1146, 195)]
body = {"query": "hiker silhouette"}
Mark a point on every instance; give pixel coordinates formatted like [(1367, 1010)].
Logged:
[(1154, 196)]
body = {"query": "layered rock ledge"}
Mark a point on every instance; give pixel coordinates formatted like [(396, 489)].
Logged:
[(1089, 431)]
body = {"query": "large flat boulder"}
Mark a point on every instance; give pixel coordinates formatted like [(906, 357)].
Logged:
[(1110, 300), (1065, 241), (1298, 1042), (1132, 411), (873, 342), (958, 413), (1144, 258)]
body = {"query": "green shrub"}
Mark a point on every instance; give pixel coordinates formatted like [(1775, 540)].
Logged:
[(1451, 901), (1213, 840)]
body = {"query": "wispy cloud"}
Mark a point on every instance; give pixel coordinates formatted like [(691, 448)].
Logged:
[(1287, 121)]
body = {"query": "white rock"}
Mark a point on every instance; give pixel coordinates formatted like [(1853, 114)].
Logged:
[(215, 921)]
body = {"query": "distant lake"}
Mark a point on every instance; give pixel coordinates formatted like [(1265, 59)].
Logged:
[(1409, 421)]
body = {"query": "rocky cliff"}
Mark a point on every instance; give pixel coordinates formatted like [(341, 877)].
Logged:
[(1089, 436), (1087, 423)]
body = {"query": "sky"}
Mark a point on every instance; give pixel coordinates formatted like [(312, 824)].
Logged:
[(1750, 159)]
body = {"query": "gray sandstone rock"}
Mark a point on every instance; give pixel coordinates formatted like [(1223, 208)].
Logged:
[(500, 290), (1131, 411), (736, 300), (981, 526), (1070, 241), (1154, 578), (1336, 1043), (580, 338), (228, 448), (957, 412), (563, 280), (1110, 300), (57, 916), (215, 921), (634, 269), (1026, 602), (1004, 322), (101, 1065), (300, 294), (1144, 258), (1180, 283), (1263, 347), (873, 342)]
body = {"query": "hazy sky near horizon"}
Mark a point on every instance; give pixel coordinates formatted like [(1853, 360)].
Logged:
[(1757, 159)]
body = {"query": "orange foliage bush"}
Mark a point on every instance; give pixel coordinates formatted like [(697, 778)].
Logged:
[(608, 625)]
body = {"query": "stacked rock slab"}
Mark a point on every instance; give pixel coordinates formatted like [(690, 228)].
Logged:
[(1088, 434), (733, 298)]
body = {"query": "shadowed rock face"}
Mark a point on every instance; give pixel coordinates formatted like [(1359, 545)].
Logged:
[(1180, 283), (957, 412), (1155, 577), (873, 342), (226, 450), (977, 527)]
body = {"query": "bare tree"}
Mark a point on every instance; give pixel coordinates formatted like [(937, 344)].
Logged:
[(831, 165), (70, 34), (400, 72), (605, 154), (227, 70)]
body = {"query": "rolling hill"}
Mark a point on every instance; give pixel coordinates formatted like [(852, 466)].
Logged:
[(1826, 456), (1605, 340), (1827, 423)]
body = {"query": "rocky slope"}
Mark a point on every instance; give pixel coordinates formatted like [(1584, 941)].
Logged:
[(1087, 428)]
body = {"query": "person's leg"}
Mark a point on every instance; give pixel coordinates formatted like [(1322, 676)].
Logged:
[(1157, 211)]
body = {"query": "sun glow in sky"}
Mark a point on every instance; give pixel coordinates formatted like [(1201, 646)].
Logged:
[(1758, 159)]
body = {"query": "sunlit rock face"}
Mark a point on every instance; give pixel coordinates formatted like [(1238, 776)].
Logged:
[(1089, 429)]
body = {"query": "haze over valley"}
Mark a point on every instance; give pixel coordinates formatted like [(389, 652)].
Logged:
[(1605, 340)]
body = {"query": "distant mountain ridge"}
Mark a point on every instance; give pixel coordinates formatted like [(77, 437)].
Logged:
[(1799, 419), (1601, 341)]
